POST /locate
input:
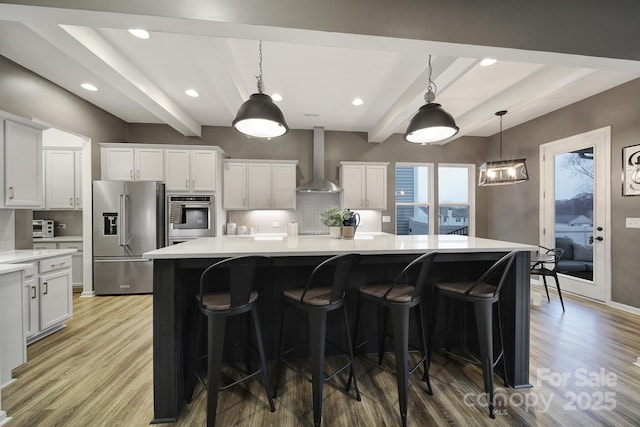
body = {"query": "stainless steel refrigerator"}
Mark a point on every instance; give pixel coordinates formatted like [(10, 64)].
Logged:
[(128, 220)]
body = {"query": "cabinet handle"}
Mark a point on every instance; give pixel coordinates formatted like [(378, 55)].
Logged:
[(193, 186), (186, 184), (77, 201), (138, 173), (33, 292), (10, 192), (70, 201), (46, 288)]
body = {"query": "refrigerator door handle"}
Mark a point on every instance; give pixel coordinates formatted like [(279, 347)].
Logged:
[(121, 220), (123, 260)]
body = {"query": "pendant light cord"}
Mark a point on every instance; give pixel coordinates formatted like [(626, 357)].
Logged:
[(500, 114), (430, 96), (259, 76)]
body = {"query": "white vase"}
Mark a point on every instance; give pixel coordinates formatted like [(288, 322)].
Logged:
[(335, 232)]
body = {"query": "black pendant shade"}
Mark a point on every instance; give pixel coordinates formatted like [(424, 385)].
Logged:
[(260, 117), (430, 124)]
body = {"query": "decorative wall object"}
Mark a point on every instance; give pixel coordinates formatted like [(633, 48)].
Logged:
[(631, 170)]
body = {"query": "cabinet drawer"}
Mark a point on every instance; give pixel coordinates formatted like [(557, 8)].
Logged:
[(45, 245), (29, 272), (52, 264), (70, 245)]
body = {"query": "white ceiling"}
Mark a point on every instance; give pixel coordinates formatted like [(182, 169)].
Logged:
[(317, 73)]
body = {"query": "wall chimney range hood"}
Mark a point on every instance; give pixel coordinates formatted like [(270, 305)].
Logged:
[(318, 183)]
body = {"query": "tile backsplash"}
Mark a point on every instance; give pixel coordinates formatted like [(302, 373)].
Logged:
[(7, 230), (307, 214)]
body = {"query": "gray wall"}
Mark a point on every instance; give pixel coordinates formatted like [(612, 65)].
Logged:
[(512, 211)]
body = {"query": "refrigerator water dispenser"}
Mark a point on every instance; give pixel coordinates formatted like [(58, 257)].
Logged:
[(110, 221)]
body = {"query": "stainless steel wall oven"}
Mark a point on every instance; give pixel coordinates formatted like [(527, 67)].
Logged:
[(190, 216)]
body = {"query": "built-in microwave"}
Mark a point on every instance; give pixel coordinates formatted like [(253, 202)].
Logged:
[(190, 216), (42, 228)]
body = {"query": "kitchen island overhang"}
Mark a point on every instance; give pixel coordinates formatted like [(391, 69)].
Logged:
[(177, 269)]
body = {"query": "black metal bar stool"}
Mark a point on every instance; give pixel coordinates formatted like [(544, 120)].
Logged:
[(237, 275), (324, 292), (483, 294), (399, 298)]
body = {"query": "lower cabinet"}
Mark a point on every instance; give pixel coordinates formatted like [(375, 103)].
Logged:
[(76, 258), (48, 291)]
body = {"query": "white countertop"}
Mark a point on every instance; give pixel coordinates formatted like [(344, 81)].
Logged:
[(364, 243), (58, 239), (26, 255), (10, 268)]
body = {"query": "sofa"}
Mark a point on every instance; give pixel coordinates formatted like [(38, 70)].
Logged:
[(576, 259)]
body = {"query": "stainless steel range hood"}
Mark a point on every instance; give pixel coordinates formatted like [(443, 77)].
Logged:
[(318, 183)]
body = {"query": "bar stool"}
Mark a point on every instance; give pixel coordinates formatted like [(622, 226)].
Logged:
[(323, 292), (399, 298), (483, 295), (238, 275)]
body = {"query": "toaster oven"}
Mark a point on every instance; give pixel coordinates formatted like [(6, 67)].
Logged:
[(42, 228)]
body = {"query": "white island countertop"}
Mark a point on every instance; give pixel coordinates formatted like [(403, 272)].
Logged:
[(363, 243)]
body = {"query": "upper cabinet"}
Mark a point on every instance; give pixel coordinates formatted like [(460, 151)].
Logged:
[(255, 184), (132, 164), (63, 183), (190, 170), (21, 151), (364, 185)]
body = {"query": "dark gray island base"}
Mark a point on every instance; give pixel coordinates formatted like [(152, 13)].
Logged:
[(176, 280)]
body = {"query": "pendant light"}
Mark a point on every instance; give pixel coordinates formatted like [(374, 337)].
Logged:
[(503, 172), (431, 123), (259, 116)]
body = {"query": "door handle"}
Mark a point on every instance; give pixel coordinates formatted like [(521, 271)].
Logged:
[(33, 292), (10, 193), (599, 238), (46, 288)]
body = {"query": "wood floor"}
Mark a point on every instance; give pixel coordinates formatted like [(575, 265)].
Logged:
[(98, 372)]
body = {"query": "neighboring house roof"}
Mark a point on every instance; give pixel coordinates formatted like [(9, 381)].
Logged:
[(581, 220)]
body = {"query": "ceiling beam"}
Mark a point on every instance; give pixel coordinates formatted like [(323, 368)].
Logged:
[(446, 71), (140, 88)]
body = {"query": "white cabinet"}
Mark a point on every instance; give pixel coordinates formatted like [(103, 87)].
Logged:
[(234, 185), (12, 345), (48, 292), (132, 164), (190, 170), (21, 147), (260, 185), (76, 257), (63, 183), (364, 185)]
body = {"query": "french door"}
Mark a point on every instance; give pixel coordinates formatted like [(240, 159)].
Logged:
[(575, 210)]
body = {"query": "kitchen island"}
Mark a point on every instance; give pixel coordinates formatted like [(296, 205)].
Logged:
[(177, 269)]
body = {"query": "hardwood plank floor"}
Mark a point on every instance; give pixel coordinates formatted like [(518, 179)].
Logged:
[(98, 372)]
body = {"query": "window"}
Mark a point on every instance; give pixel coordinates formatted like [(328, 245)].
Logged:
[(416, 204), (414, 193), (456, 197)]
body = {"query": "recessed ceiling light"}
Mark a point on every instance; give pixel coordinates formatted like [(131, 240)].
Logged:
[(89, 86), (487, 61), (140, 33), (192, 93), (276, 97), (357, 101)]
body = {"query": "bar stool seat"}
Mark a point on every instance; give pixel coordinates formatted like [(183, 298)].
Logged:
[(317, 301), (237, 275), (483, 294), (398, 298)]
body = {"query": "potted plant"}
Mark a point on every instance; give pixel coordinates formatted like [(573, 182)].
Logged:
[(333, 217)]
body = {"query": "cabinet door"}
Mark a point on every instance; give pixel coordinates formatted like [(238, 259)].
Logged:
[(353, 186), (117, 164), (60, 179), (77, 172), (30, 306), (259, 186), (55, 298), (76, 261), (176, 170), (376, 187), (283, 190), (203, 170), (23, 165), (234, 181), (149, 164)]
